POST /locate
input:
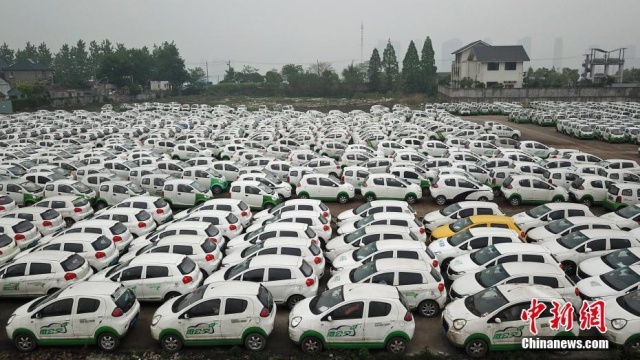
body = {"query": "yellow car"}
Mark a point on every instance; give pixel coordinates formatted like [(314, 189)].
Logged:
[(497, 221)]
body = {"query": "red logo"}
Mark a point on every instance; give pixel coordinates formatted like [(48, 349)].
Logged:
[(592, 316), (561, 316), (532, 314)]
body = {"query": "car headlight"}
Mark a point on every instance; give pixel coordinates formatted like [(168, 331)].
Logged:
[(296, 321), (458, 324), (155, 320), (617, 324), (13, 316)]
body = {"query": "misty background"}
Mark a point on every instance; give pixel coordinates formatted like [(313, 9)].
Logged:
[(269, 34)]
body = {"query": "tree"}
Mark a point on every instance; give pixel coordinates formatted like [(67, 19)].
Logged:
[(229, 75), (390, 66), (374, 70), (319, 68), (44, 55), (429, 69), (273, 77), (290, 70), (412, 81), (29, 52), (63, 66), (81, 71), (354, 74), (466, 82), (6, 53), (169, 64)]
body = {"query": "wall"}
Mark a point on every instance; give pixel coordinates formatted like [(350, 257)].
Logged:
[(501, 75), (29, 77), (539, 94), (6, 107)]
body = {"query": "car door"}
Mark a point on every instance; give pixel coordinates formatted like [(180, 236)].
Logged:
[(89, 313), (185, 195), (252, 196), (327, 188), (131, 277), (39, 277), (13, 280), (597, 247), (412, 285), (53, 322), (236, 318), (156, 282), (394, 189), (541, 191), (506, 327), (202, 321), (118, 194), (344, 324), (282, 281), (381, 319)]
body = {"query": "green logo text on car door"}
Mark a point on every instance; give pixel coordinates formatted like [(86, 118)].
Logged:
[(342, 331), (508, 333), (55, 328), (201, 329)]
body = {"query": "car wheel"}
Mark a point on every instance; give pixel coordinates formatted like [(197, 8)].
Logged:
[(171, 343), (303, 196), (25, 343), (101, 205), (370, 197), (333, 174), (425, 191), (281, 198), (558, 199), (216, 189), (632, 348), (311, 345), (497, 193), (293, 300), (569, 267), (343, 199), (411, 199), (587, 202), (108, 342), (515, 137), (476, 348), (515, 201), (428, 308), (171, 295), (269, 206), (255, 342), (397, 345), (441, 200), (483, 198)]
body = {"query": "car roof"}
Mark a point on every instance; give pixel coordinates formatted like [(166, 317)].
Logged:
[(400, 245), (61, 198), (591, 233), (157, 258), (179, 181), (95, 222), (561, 205), (231, 288), (64, 181), (534, 268), (91, 288), (520, 247), (72, 236), (246, 182), (517, 292), (369, 291), (46, 255), (486, 231), (286, 226), (576, 220), (491, 218), (276, 260), (187, 225), (383, 229), (181, 239), (286, 241), (402, 264), (141, 198), (29, 210), (120, 210)]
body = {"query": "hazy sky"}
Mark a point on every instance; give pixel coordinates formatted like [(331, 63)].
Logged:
[(269, 33)]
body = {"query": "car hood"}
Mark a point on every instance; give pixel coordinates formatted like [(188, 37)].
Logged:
[(594, 287), (464, 264), (594, 267), (457, 310), (302, 309), (439, 245), (262, 214), (345, 260), (339, 278), (522, 218), (100, 275), (232, 258), (466, 285), (256, 224), (442, 232), (336, 243), (615, 311), (554, 247), (346, 214), (540, 234), (22, 310), (236, 241), (434, 216), (216, 276), (613, 217), (348, 227)]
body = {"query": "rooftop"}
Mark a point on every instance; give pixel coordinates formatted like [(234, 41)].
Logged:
[(28, 65)]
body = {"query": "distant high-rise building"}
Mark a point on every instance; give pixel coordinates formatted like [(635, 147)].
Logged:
[(630, 57), (558, 53), (526, 44), (445, 58)]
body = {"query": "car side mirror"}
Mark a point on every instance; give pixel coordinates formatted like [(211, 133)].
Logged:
[(186, 315), (38, 315), (469, 247), (587, 250), (329, 318), (497, 320), (544, 218)]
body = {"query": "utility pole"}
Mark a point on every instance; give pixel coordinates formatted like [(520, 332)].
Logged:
[(318, 62), (207, 64), (361, 41)]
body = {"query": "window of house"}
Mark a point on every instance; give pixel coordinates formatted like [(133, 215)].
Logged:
[(493, 66), (509, 66)]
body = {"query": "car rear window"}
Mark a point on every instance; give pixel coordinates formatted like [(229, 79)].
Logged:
[(4, 200), (160, 203), (265, 298), (315, 250), (232, 219), (186, 266), (124, 298), (5, 240), (324, 207), (80, 202), (101, 243), (614, 190), (49, 214), (310, 233), (208, 246), (212, 231), (118, 229), (242, 206), (436, 275), (306, 269), (22, 227), (73, 262), (143, 216)]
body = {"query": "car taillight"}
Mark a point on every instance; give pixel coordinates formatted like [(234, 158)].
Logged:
[(229, 194), (77, 210), (618, 199), (509, 186), (100, 255), (232, 227), (117, 238), (422, 231), (561, 266), (342, 178), (435, 186), (213, 239), (317, 260), (162, 193), (364, 184), (522, 234), (244, 213), (408, 316), (314, 242), (338, 167), (187, 279), (1, 208), (326, 228), (550, 182), (142, 224), (441, 287), (117, 312), (209, 257), (577, 292), (493, 181), (434, 263), (19, 237), (299, 185), (325, 214), (310, 282), (47, 223), (265, 312), (70, 276), (159, 211), (580, 187)]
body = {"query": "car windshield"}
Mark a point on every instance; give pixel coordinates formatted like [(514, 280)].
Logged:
[(630, 302), (361, 208), (460, 224), (485, 302), (485, 255), (237, 269), (266, 189), (459, 238), (364, 221), (364, 252), (491, 276), (45, 299), (354, 236), (81, 187), (620, 258), (558, 226), (629, 211), (252, 249), (254, 233), (273, 179), (188, 299), (31, 187), (135, 188), (28, 164), (360, 273), (620, 279), (117, 268), (573, 240), (326, 300), (450, 209), (199, 187), (603, 163), (276, 208), (537, 211)]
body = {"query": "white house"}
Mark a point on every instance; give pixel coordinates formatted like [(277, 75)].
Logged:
[(159, 85), (4, 87), (489, 64)]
